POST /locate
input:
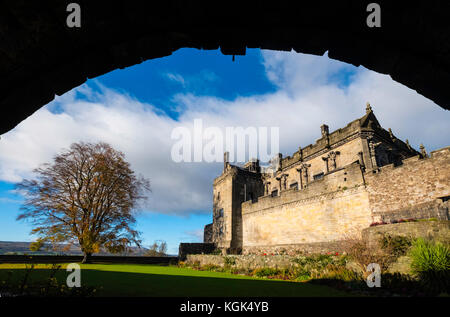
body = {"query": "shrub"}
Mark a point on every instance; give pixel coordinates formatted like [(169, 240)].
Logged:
[(210, 267), (241, 270), (301, 275), (338, 272), (365, 253), (229, 260), (317, 261), (315, 266), (431, 264), (267, 271), (400, 283), (396, 245)]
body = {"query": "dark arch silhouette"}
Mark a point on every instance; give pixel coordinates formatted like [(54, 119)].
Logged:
[(40, 56)]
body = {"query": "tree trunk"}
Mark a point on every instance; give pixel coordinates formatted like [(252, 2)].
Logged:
[(86, 258)]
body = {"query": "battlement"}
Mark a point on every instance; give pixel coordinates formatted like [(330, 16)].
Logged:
[(433, 158), (325, 142), (337, 180), (366, 125), (417, 180)]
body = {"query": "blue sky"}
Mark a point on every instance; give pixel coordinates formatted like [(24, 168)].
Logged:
[(135, 109)]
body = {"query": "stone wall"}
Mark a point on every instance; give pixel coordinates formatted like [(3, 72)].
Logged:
[(195, 248), (337, 180), (324, 218), (242, 261), (296, 249), (284, 256), (435, 230), (222, 209), (322, 212), (230, 190), (348, 153), (414, 182), (252, 262), (246, 187), (208, 233), (341, 204), (433, 209)]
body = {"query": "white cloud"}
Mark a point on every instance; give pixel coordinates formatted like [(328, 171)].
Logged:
[(297, 75), (177, 78), (201, 81), (310, 93), (10, 200), (193, 235)]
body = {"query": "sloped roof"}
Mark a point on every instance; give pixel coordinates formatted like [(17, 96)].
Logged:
[(369, 121)]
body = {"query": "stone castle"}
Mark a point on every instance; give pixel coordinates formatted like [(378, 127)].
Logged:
[(341, 184)]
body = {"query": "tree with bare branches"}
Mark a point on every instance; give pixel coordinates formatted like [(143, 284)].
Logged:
[(88, 196)]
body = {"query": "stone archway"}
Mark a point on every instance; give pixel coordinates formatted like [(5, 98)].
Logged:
[(40, 56)]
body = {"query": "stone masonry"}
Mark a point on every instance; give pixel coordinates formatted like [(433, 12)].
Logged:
[(328, 191)]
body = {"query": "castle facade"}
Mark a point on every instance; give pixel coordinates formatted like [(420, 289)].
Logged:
[(324, 192)]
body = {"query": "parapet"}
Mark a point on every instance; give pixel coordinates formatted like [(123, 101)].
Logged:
[(342, 179)]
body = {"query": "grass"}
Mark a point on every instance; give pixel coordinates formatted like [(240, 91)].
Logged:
[(156, 280)]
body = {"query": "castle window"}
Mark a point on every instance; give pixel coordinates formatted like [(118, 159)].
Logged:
[(220, 213), (275, 193), (294, 185), (318, 176)]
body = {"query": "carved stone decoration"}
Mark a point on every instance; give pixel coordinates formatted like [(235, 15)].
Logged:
[(325, 159), (361, 160), (391, 135), (332, 158), (423, 152), (299, 170), (280, 162), (226, 160), (284, 177), (279, 182), (266, 188), (324, 129), (368, 108), (408, 145), (372, 151), (303, 173)]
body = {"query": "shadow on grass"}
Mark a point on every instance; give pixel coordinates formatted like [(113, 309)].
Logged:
[(113, 283), (392, 284)]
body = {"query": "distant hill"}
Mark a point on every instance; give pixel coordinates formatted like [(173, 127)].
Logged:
[(13, 247)]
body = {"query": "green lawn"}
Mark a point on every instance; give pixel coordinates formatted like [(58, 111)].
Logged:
[(155, 280)]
